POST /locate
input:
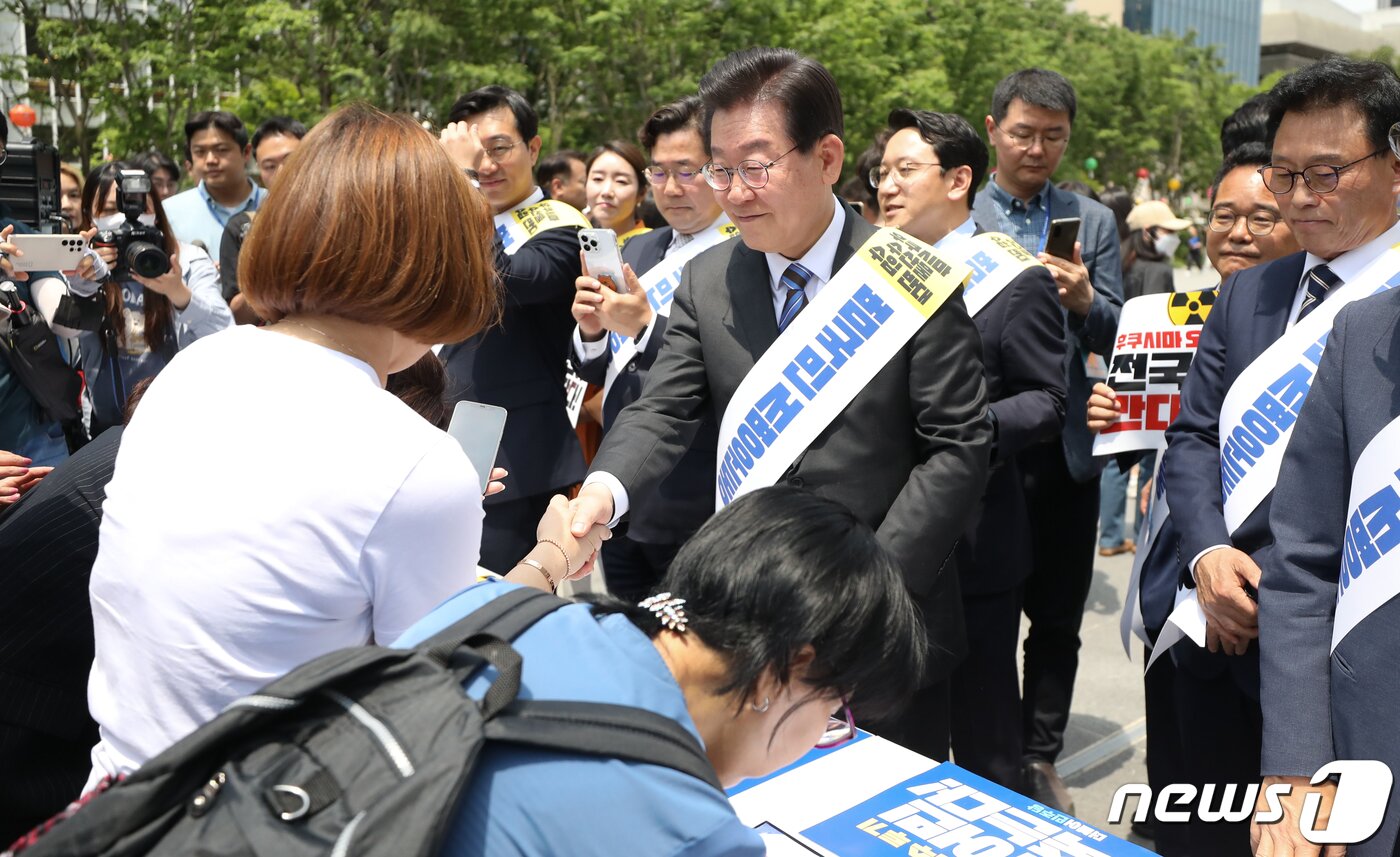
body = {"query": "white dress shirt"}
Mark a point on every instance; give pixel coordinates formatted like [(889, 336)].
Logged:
[(820, 260)]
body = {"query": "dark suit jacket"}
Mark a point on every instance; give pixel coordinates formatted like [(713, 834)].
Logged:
[(1319, 707), (519, 365), (1249, 315), (685, 498), (1023, 337), (908, 455), (48, 541), (1098, 232)]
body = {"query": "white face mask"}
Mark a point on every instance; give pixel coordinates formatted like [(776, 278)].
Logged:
[(1166, 244), (109, 221)]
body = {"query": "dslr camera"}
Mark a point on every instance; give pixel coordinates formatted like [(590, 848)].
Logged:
[(140, 248)]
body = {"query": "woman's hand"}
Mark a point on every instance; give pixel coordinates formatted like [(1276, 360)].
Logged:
[(93, 266), (8, 249), (554, 527), (496, 486), (17, 477), (171, 283)]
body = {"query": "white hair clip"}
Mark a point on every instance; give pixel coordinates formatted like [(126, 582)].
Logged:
[(667, 610)]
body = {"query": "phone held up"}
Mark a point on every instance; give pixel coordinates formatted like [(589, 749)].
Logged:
[(478, 428), (601, 256), (1064, 232)]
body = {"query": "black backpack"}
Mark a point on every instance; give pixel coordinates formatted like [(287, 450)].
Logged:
[(364, 751)]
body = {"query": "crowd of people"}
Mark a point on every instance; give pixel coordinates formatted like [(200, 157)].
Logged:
[(856, 511)]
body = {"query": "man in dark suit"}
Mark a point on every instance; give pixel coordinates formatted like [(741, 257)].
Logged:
[(49, 542), (909, 453), (927, 180), (1336, 179), (634, 562), (518, 364), (1029, 126)]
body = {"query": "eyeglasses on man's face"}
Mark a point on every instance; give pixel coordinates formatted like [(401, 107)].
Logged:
[(1026, 140), (752, 173), (657, 175), (1320, 178), (902, 173), (1258, 223)]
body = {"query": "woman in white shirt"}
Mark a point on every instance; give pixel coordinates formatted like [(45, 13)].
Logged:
[(271, 501)]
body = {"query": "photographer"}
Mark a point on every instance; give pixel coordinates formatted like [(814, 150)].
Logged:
[(148, 318)]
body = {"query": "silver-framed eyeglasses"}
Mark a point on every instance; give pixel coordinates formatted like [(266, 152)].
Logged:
[(1258, 223), (1022, 140), (500, 151), (657, 175), (1320, 178), (902, 172), (752, 173), (839, 729)]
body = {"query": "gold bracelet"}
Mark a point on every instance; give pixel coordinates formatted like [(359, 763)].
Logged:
[(568, 566), (535, 564)]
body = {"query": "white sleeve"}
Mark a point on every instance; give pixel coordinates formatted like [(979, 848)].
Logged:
[(615, 487), (207, 311), (1197, 558), (425, 546), (588, 351)]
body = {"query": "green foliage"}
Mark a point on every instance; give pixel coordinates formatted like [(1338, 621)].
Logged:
[(595, 70)]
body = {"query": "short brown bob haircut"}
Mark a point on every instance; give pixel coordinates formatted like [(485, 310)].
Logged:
[(372, 222)]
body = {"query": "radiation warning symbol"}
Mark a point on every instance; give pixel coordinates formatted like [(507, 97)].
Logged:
[(1190, 307)]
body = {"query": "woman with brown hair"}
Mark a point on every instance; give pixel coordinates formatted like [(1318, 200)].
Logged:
[(272, 502), (615, 188), (149, 319)]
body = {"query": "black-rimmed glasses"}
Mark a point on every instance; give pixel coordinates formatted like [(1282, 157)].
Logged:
[(1223, 220), (839, 730), (752, 173), (1320, 178)]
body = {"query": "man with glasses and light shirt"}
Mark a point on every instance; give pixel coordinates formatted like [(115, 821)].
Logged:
[(1327, 614), (518, 364), (766, 337), (1029, 127), (620, 332)]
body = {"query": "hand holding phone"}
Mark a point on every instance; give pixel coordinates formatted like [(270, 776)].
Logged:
[(1064, 231), (478, 428), (602, 258), (47, 252)]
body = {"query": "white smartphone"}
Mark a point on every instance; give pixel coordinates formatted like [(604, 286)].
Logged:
[(602, 258), (478, 428), (48, 252)]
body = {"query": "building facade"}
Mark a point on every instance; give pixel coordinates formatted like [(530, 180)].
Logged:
[(1232, 27)]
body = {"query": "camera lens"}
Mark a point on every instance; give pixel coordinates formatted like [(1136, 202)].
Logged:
[(147, 259)]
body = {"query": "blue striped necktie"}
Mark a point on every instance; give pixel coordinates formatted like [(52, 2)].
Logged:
[(795, 280), (1318, 281)]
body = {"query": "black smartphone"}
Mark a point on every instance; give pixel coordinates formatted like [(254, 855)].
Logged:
[(1064, 232)]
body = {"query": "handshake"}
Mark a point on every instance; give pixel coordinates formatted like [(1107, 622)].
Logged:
[(567, 540)]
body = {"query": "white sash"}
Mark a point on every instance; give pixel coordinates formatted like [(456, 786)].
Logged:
[(995, 260), (1152, 351), (660, 284), (525, 221), (850, 331), (1257, 417), (1370, 574)]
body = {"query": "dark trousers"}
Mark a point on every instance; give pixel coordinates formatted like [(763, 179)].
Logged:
[(1064, 521), (508, 532), (923, 726), (43, 773), (986, 694), (1164, 762), (1221, 733), (633, 569)]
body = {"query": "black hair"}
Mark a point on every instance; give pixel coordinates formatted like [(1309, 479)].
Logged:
[(676, 116), (478, 101), (1119, 201), (780, 569), (953, 140), (859, 189), (1372, 88), (1253, 154), (278, 126), (1037, 87), (220, 120), (557, 164), (804, 88), (423, 387), (1248, 124), (154, 160)]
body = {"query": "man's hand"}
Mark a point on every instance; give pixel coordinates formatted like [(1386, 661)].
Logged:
[(1284, 838), (1072, 278), (463, 145), (593, 506), (1104, 409), (585, 308), (1232, 617), (626, 312)]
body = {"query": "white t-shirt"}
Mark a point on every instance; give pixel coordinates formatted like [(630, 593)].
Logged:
[(271, 503)]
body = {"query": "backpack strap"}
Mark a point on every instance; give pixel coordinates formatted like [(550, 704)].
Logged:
[(504, 618), (603, 729)]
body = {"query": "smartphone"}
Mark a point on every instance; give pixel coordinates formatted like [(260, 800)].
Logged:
[(478, 428), (1064, 232), (48, 252), (602, 258)]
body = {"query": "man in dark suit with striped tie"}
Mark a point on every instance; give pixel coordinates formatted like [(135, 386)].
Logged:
[(635, 561)]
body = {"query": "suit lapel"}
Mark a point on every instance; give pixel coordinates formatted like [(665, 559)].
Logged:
[(1274, 300), (751, 300)]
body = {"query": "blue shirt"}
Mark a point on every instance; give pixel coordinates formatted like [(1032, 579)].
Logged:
[(195, 216), (1027, 222), (531, 802)]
